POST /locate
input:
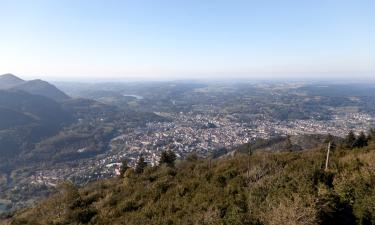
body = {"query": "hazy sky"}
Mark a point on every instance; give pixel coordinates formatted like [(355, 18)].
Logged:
[(175, 39)]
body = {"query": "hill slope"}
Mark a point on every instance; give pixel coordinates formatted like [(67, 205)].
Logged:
[(25, 119), (36, 87), (11, 118), (43, 88), (9, 80), (279, 188)]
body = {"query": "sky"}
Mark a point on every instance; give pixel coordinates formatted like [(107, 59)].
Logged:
[(189, 39)]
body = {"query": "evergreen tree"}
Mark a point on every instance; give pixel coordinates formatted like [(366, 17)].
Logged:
[(141, 164), (73, 207), (124, 167), (168, 157), (371, 135), (350, 140), (288, 144), (361, 141), (330, 139)]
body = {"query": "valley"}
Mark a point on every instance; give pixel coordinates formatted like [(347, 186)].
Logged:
[(101, 126)]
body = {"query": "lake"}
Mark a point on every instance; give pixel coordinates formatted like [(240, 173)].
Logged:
[(138, 97)]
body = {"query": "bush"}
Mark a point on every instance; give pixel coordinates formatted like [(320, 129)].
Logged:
[(280, 188)]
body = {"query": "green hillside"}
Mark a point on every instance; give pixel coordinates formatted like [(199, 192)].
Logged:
[(264, 188), (11, 118), (26, 119), (42, 88)]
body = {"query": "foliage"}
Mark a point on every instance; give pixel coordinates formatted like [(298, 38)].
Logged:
[(280, 188), (352, 141), (25, 120), (168, 157), (124, 167), (141, 164)]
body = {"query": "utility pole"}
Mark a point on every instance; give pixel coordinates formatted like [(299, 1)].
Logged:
[(327, 159), (248, 161)]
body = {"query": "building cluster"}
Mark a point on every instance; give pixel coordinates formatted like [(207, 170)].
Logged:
[(339, 126), (187, 133)]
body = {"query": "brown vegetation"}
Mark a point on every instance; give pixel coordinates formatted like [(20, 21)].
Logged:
[(280, 188)]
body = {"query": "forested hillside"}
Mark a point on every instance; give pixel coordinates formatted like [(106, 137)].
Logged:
[(26, 119), (35, 87), (261, 188)]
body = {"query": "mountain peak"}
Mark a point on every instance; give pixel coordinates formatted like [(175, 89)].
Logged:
[(38, 82), (38, 87), (9, 80), (10, 76), (41, 87)]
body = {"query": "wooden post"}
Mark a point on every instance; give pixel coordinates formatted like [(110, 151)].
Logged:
[(327, 159), (248, 161)]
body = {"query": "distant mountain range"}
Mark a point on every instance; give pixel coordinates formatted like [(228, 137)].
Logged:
[(29, 112), (36, 87), (9, 80), (26, 119), (40, 123)]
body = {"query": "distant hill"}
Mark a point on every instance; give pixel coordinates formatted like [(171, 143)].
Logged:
[(98, 124), (11, 118), (9, 80), (36, 87), (26, 119), (40, 87)]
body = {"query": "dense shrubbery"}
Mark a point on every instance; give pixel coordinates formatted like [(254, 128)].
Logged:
[(352, 141), (279, 188), (168, 157)]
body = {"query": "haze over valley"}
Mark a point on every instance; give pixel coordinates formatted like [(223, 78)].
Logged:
[(51, 133), (187, 112)]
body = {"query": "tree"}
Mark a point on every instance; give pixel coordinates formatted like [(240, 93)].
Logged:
[(371, 135), (72, 206), (350, 140), (361, 141), (168, 157), (124, 167), (330, 139), (141, 164), (288, 144)]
